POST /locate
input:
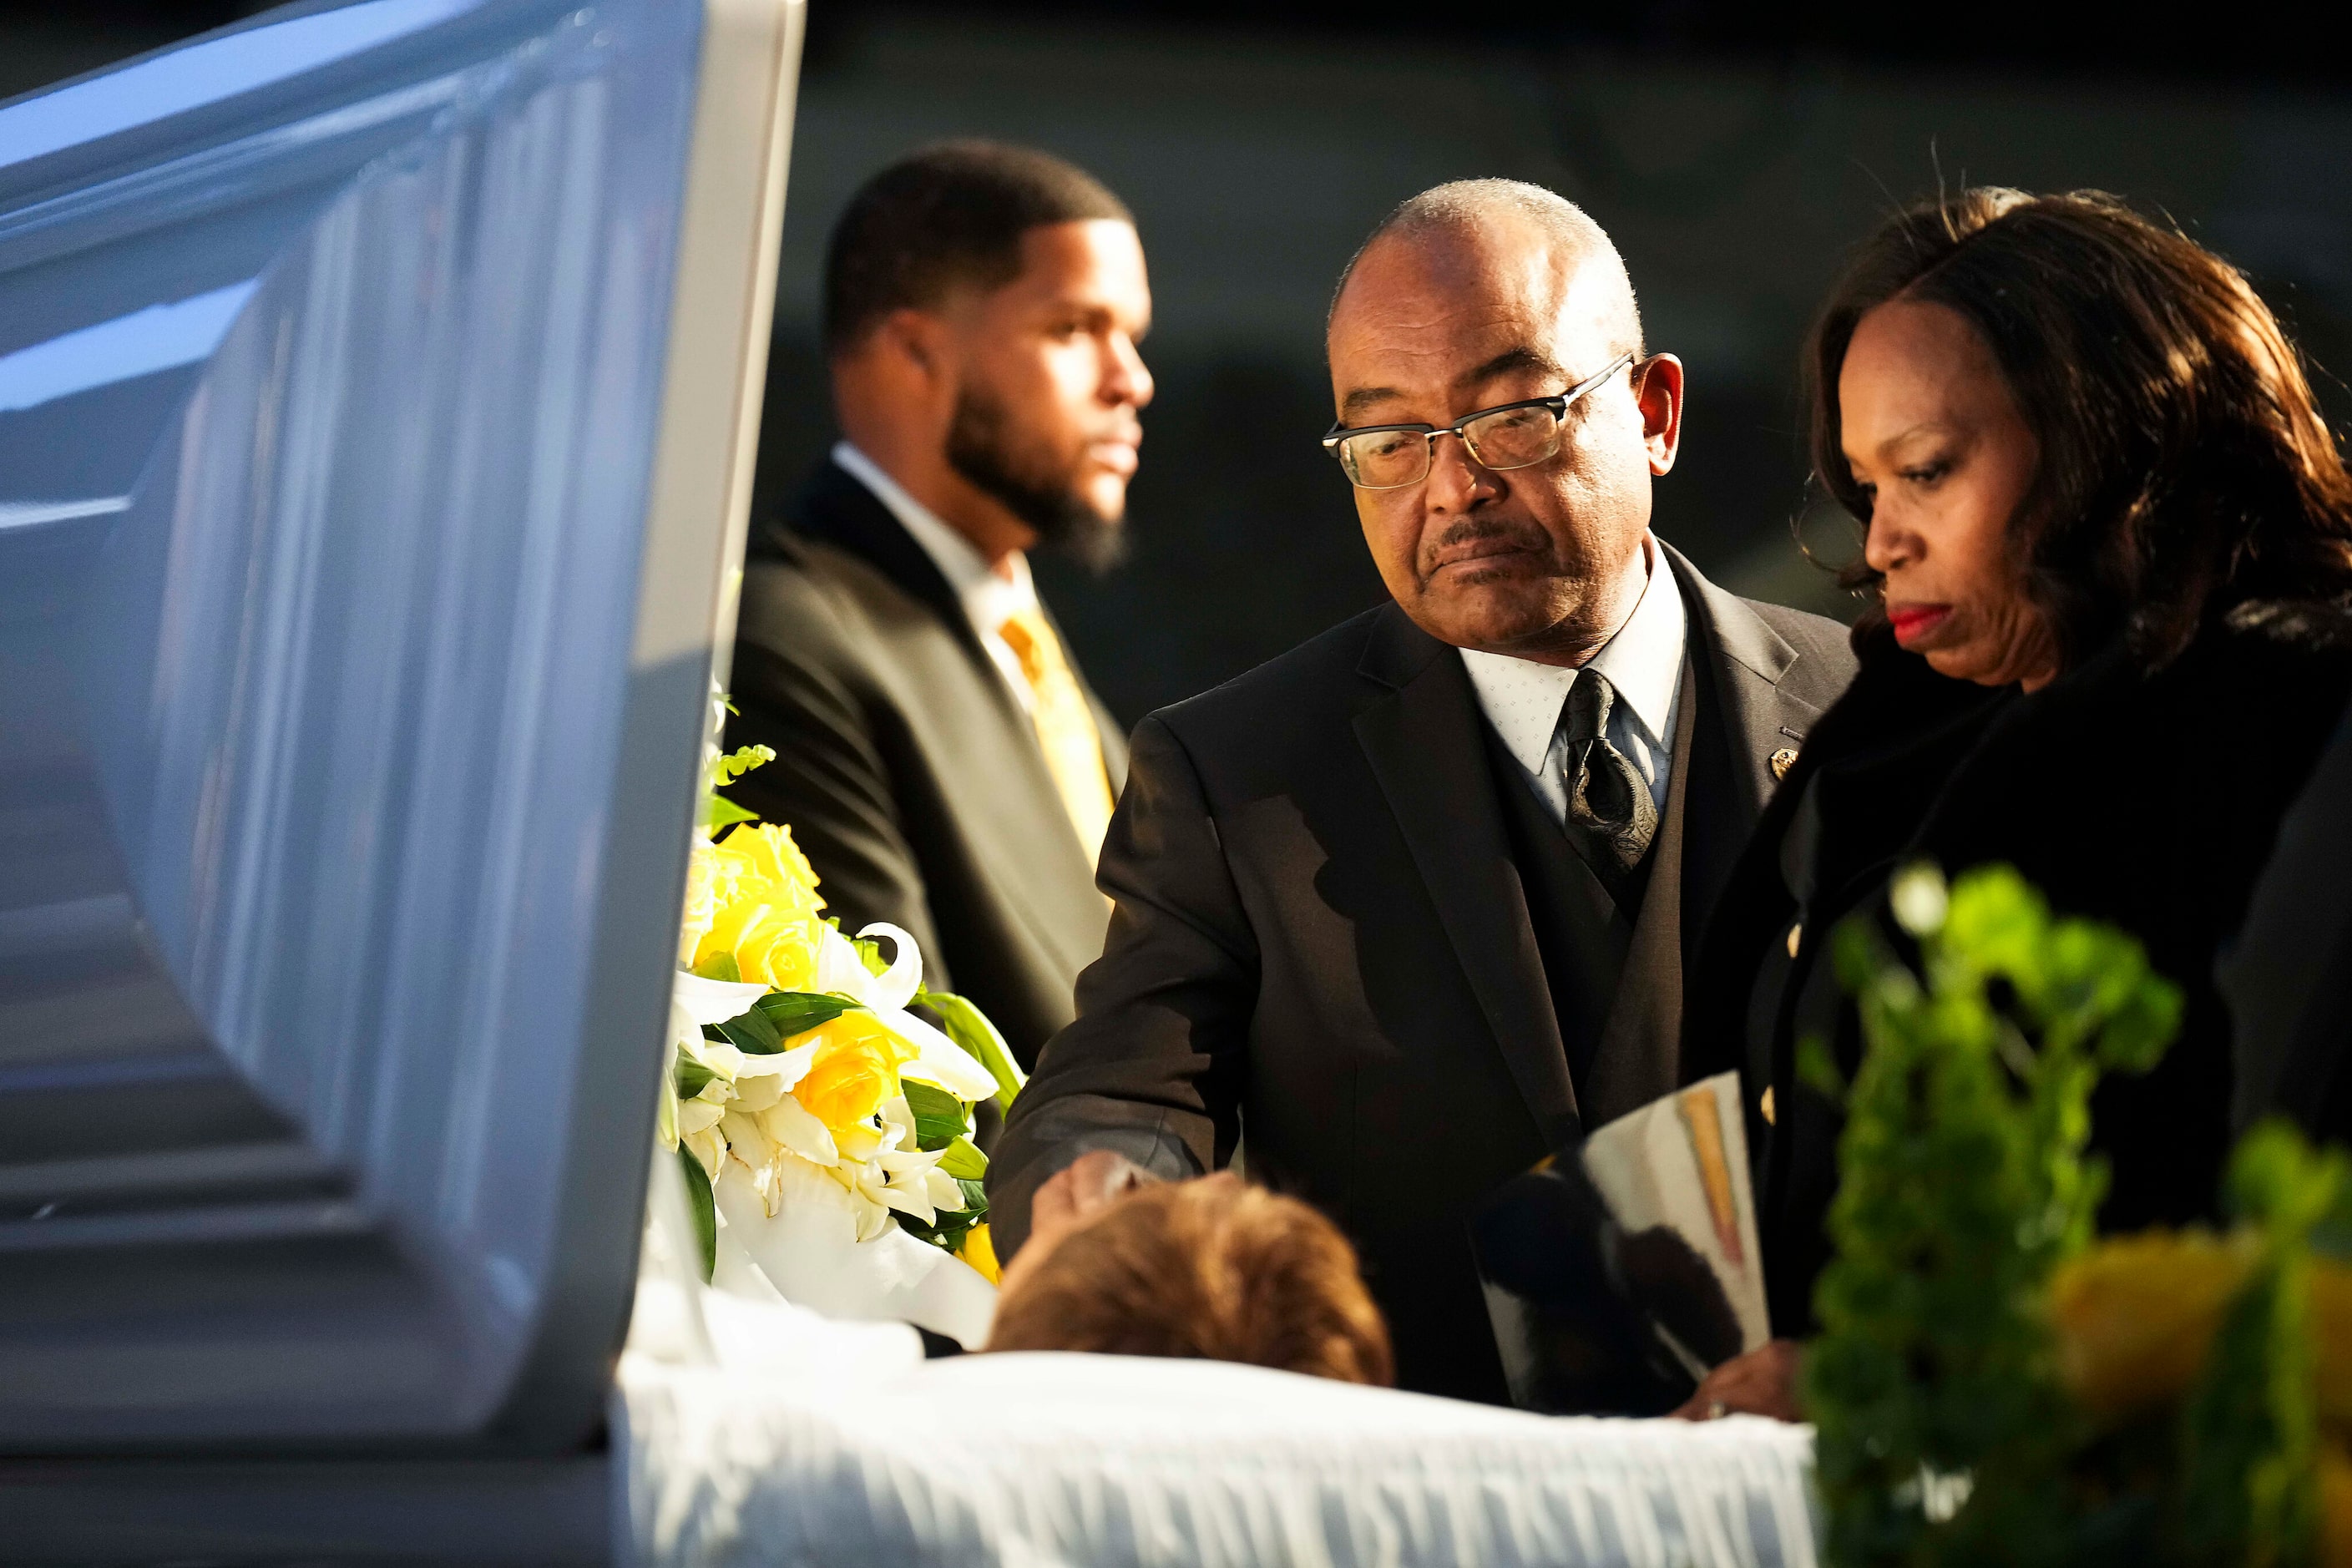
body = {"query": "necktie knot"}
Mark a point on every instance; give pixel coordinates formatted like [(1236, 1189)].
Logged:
[(1064, 725), (1606, 795)]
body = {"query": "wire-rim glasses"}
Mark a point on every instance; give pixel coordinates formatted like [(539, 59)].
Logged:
[(1507, 435)]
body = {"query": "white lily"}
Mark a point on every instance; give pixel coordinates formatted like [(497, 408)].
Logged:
[(694, 1002), (941, 1062), (840, 969), (910, 1179)]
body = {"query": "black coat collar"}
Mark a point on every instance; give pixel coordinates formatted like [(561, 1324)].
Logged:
[(835, 507)]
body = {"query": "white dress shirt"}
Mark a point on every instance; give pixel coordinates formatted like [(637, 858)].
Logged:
[(989, 596), (1522, 700)]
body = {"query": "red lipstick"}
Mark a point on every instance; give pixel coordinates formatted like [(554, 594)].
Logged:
[(1913, 622)]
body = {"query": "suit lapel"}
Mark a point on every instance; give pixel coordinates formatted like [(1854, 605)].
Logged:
[(1747, 659), (1421, 738), (837, 508), (1750, 715), (1030, 853)]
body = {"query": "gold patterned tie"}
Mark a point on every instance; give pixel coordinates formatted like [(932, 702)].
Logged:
[(1065, 726)]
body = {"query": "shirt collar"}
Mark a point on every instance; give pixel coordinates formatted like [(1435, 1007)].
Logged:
[(1644, 661), (988, 598)]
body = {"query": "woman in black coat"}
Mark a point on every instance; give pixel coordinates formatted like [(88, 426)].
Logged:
[(2110, 539)]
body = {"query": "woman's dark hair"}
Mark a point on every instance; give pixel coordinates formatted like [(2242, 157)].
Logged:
[(2185, 469)]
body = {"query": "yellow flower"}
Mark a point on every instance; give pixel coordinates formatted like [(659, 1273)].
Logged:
[(2134, 1316), (855, 1070), (980, 1252), (752, 896)]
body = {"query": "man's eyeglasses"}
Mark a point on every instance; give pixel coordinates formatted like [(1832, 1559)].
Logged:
[(1510, 436)]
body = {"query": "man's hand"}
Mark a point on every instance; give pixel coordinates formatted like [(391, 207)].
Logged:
[(1761, 1382), (1070, 1198)]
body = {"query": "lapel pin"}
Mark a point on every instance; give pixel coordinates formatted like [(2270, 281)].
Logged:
[(1782, 761)]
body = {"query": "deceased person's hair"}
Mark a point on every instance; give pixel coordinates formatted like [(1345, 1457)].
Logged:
[(1215, 1270)]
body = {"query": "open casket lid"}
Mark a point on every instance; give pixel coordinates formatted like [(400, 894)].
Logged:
[(376, 384)]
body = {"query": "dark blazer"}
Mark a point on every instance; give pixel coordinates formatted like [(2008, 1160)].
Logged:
[(1322, 942), (2288, 976), (2151, 802), (907, 770)]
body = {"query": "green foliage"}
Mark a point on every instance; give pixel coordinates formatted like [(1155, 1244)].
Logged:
[(1943, 1431), (939, 1116), (705, 1209), (691, 1077), (720, 965), (792, 1014), (734, 764), (717, 812), (953, 1224), (2250, 1436), (964, 1160), (969, 1028)]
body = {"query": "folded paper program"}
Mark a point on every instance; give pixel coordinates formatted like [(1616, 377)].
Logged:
[(1621, 1268)]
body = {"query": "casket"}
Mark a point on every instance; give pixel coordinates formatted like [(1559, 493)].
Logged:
[(377, 391)]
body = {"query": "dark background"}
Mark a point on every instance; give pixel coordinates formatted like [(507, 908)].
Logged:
[(1733, 151)]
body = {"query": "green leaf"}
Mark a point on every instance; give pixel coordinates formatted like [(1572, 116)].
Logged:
[(691, 1077), (718, 812), (739, 762), (795, 1013), (869, 953), (753, 1032), (969, 1028), (706, 1211), (1818, 1071), (720, 965), (964, 1160), (939, 1116)]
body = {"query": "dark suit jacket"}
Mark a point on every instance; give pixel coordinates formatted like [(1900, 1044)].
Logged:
[(1322, 939), (2148, 801), (906, 769)]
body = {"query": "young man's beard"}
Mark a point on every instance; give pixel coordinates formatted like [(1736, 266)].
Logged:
[(981, 448)]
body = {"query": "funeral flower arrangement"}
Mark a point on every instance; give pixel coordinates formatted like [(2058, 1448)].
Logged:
[(1993, 1385), (800, 1074)]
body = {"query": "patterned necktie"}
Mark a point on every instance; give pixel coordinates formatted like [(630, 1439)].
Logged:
[(1606, 796), (1065, 726)]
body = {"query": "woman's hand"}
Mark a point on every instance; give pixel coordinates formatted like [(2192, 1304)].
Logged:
[(1761, 1382)]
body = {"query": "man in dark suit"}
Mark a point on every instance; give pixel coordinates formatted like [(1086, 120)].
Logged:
[(943, 763), (1409, 905)]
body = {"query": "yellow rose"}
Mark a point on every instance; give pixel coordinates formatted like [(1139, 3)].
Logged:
[(855, 1070), (753, 896), (980, 1252), (2135, 1315)]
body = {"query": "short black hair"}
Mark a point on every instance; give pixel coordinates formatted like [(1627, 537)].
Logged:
[(945, 216)]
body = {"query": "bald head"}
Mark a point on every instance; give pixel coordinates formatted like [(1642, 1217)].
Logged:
[(1508, 213), (1487, 295)]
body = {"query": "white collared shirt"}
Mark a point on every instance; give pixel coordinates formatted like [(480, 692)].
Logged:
[(989, 598), (1522, 700)]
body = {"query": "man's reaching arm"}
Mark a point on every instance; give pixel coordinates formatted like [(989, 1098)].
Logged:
[(1153, 1067)]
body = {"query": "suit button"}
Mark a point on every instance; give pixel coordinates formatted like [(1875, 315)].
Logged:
[(1796, 938), (1765, 1105)]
